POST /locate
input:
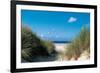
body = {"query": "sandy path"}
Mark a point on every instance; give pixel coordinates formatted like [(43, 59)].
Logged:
[(61, 49)]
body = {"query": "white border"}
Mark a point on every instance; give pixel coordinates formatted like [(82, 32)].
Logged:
[(56, 63)]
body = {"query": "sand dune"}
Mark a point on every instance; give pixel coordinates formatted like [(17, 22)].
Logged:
[(60, 48)]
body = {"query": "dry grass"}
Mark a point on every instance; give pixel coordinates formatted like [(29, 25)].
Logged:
[(79, 44)]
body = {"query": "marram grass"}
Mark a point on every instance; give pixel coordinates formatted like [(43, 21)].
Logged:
[(79, 44)]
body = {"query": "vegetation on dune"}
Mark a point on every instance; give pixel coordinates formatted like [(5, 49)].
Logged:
[(33, 47), (50, 46), (79, 44)]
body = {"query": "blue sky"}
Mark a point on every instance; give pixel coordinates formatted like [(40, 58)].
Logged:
[(55, 26)]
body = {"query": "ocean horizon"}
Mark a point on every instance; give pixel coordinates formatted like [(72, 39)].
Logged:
[(61, 41)]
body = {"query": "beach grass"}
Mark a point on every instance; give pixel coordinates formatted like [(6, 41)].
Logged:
[(33, 47), (79, 44)]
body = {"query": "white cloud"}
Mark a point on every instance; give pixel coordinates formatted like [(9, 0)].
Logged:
[(72, 19)]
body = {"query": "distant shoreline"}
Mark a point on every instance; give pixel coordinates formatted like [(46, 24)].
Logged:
[(61, 41)]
